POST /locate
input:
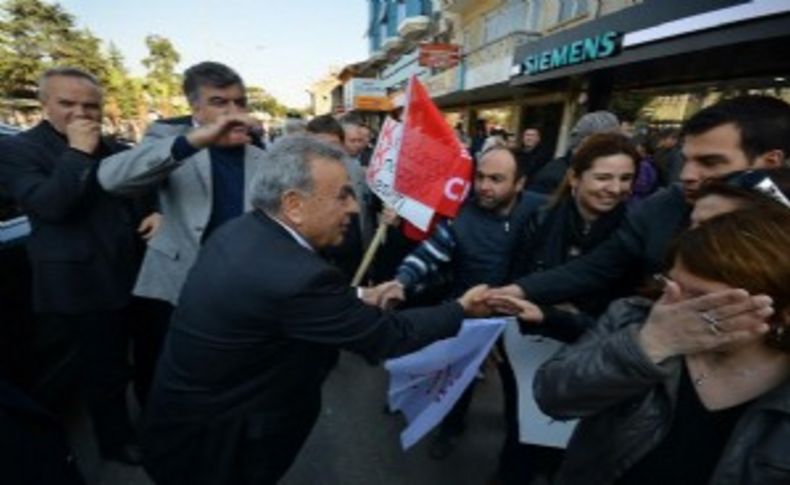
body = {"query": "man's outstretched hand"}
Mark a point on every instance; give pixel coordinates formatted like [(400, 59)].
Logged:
[(474, 302)]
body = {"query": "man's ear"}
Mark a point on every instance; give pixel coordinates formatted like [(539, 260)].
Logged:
[(771, 159), (292, 207)]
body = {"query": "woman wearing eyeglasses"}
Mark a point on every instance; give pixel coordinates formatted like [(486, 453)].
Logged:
[(694, 388)]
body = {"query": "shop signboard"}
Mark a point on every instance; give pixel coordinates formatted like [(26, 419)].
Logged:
[(365, 94), (600, 46), (439, 56)]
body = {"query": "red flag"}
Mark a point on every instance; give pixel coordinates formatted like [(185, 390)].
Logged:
[(415, 233), (434, 168)]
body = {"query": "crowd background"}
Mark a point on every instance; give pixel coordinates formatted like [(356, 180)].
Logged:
[(117, 231)]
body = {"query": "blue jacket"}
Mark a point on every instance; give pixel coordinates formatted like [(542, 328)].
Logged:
[(479, 242)]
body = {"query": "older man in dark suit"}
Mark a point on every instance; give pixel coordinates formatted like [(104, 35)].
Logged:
[(82, 243), (260, 320)]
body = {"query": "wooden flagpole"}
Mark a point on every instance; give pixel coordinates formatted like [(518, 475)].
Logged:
[(381, 231)]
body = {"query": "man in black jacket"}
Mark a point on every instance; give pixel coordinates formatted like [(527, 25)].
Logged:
[(82, 244), (260, 319), (736, 134), (534, 154)]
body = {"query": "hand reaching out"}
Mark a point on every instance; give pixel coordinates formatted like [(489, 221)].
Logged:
[(522, 309), (474, 302), (385, 295), (509, 290)]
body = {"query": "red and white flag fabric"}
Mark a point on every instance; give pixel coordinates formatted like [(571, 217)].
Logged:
[(434, 168), (419, 167)]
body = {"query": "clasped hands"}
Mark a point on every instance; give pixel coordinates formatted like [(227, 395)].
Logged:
[(478, 302)]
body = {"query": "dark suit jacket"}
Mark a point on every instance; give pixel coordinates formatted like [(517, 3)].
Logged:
[(531, 162), (259, 321), (81, 246)]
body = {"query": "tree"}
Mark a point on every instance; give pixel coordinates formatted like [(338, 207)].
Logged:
[(162, 84), (31, 35), (124, 98), (259, 100)]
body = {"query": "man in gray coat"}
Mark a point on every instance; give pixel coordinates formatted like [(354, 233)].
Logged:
[(200, 164)]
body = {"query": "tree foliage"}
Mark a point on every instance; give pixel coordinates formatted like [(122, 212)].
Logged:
[(36, 35), (161, 82), (259, 100)]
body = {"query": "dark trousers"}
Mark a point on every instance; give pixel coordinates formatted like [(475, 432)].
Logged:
[(149, 321), (237, 449), (455, 421), (102, 370)]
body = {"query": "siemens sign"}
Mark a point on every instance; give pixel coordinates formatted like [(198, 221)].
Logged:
[(585, 50)]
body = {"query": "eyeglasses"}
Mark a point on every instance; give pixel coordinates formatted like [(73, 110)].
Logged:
[(758, 181)]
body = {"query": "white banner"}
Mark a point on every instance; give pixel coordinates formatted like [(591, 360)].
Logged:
[(526, 353), (381, 176), (425, 385)]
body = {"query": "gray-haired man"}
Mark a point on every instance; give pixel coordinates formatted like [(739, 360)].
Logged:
[(260, 319), (81, 248)]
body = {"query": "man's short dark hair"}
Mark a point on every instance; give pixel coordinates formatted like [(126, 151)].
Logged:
[(211, 74), (326, 124), (64, 71), (762, 121), (520, 168)]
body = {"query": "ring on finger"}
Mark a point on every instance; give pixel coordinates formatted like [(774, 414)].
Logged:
[(713, 323)]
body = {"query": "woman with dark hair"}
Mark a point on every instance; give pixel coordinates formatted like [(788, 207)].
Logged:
[(586, 208), (694, 388)]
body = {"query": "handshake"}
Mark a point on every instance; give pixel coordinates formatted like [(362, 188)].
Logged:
[(478, 302)]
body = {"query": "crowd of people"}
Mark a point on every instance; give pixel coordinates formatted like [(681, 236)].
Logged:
[(660, 265)]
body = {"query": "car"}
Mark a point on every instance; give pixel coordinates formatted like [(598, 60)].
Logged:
[(14, 226), (16, 314)]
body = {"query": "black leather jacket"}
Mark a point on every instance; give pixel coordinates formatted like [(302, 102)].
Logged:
[(626, 404)]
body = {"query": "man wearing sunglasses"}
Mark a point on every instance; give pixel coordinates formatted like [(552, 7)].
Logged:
[(201, 165)]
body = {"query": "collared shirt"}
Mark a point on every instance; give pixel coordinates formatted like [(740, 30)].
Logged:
[(303, 242), (298, 237)]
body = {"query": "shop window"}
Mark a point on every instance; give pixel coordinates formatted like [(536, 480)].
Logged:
[(570, 9), (383, 14)]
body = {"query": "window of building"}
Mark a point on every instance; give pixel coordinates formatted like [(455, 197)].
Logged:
[(383, 31), (401, 11), (534, 15), (570, 9), (505, 20)]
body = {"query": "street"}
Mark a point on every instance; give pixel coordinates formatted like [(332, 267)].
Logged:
[(355, 442)]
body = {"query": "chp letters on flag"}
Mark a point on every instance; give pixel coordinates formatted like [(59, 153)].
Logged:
[(419, 167)]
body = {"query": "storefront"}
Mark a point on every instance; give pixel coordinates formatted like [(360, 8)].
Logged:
[(663, 59)]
